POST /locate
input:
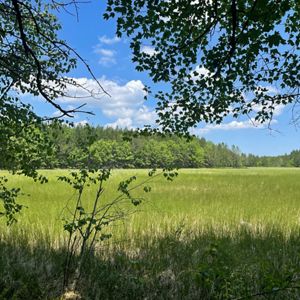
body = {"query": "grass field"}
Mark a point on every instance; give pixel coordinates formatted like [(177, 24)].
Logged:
[(209, 234)]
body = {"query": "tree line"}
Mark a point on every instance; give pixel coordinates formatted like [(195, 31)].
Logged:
[(75, 147), (99, 147)]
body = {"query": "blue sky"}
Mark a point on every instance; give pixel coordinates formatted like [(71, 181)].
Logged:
[(110, 60)]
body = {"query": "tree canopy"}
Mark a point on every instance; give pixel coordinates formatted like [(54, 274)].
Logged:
[(238, 57), (98, 147), (34, 61)]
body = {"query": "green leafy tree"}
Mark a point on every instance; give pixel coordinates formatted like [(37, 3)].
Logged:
[(111, 154), (35, 61), (220, 57), (295, 157), (102, 153), (187, 154), (23, 143)]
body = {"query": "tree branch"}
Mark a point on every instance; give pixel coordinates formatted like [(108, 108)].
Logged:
[(59, 46)]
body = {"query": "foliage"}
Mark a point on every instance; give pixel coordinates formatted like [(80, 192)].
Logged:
[(30, 55), (109, 153), (8, 197), (98, 147), (90, 220), (220, 57), (33, 61), (24, 146)]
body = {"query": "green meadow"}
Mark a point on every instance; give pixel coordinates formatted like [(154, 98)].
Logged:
[(209, 234)]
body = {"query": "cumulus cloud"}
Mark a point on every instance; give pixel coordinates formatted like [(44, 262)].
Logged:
[(109, 41), (145, 116), (133, 118), (121, 123), (278, 108), (125, 105), (106, 52), (200, 72), (165, 19), (233, 125), (272, 90)]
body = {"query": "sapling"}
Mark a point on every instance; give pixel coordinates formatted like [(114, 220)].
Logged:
[(90, 221)]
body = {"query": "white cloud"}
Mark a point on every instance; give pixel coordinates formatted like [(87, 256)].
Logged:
[(81, 123), (269, 89), (272, 89), (233, 125), (148, 50), (165, 19), (109, 41), (278, 109), (135, 118), (145, 116), (130, 94), (56, 114), (125, 106), (107, 61), (200, 72), (121, 123), (105, 52), (107, 56)]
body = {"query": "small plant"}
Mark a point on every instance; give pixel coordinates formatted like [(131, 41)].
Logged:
[(8, 197), (90, 220)]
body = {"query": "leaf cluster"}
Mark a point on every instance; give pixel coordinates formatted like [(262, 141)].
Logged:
[(219, 57)]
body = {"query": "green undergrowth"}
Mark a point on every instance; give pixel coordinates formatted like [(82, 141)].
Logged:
[(176, 266), (210, 234)]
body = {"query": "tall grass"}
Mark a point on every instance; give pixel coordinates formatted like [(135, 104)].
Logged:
[(210, 234)]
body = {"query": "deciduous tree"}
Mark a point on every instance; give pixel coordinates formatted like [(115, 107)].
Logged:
[(221, 57), (34, 61)]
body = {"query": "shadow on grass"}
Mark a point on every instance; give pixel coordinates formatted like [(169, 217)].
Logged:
[(173, 267)]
